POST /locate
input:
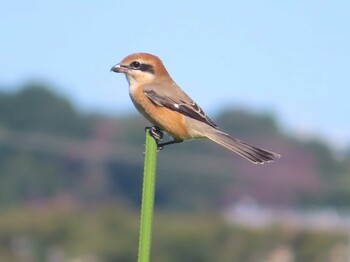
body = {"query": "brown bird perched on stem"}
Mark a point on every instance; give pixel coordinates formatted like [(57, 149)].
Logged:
[(158, 98)]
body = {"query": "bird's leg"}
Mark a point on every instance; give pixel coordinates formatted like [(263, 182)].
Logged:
[(161, 145), (155, 132)]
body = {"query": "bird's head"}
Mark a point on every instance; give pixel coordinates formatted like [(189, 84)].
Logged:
[(141, 68)]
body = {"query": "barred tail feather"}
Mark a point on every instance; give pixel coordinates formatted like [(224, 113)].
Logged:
[(252, 153)]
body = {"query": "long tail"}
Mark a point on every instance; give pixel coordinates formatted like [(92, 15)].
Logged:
[(252, 153)]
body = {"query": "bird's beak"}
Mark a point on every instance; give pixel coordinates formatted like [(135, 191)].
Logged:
[(118, 68)]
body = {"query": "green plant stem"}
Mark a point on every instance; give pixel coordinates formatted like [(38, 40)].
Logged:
[(148, 192)]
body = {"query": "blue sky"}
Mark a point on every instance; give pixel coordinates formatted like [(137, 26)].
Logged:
[(291, 58)]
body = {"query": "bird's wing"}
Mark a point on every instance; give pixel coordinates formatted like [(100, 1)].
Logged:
[(172, 97)]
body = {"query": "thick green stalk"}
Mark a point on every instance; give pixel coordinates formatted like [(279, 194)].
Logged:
[(148, 191)]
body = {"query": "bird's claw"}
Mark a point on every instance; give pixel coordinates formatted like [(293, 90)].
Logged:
[(155, 132)]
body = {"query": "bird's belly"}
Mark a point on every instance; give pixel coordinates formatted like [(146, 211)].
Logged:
[(168, 120)]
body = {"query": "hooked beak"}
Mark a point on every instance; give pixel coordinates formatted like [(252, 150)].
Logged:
[(118, 68)]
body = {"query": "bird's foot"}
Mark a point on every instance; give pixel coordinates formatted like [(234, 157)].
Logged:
[(157, 134)]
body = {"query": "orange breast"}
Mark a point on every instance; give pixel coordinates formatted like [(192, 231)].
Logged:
[(168, 120)]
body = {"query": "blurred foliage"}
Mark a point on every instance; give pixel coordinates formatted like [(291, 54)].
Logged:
[(110, 233), (36, 108), (59, 167), (48, 147), (249, 124)]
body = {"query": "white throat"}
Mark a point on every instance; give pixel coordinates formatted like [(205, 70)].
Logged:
[(132, 84)]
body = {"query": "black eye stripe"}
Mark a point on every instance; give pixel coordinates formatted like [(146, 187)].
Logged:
[(147, 68), (136, 65)]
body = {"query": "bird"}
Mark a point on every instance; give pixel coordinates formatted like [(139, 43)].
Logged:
[(162, 102)]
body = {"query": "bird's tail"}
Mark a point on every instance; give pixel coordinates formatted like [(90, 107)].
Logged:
[(252, 153)]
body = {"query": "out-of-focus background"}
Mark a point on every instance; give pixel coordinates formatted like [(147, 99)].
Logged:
[(275, 74)]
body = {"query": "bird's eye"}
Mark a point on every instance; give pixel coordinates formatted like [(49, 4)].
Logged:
[(135, 65)]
